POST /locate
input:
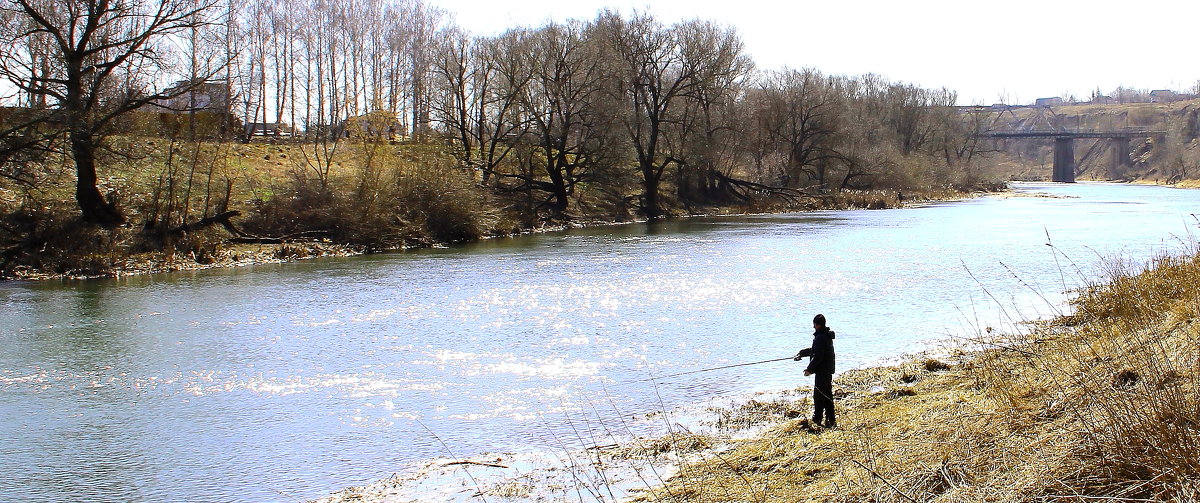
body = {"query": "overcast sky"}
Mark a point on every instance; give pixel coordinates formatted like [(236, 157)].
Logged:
[(1019, 49)]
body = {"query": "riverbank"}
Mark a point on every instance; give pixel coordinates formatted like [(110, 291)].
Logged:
[(211, 248), (233, 255), (1181, 184), (1103, 404), (183, 198), (1099, 404), (620, 467)]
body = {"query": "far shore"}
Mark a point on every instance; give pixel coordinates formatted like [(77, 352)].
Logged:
[(241, 255)]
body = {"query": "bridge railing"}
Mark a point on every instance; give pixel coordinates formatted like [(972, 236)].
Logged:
[(1132, 132)]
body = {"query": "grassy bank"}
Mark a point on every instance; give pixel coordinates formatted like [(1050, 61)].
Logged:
[(1101, 405)]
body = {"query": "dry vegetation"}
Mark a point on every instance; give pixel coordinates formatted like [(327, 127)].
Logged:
[(371, 196), (1101, 405)]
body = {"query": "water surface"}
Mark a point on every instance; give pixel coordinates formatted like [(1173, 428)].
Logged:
[(287, 382)]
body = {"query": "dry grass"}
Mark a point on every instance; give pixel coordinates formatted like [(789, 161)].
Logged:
[(1099, 406)]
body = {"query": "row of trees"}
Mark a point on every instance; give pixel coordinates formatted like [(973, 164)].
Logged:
[(611, 103), (551, 108), (314, 64)]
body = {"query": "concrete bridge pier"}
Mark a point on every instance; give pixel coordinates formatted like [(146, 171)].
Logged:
[(1064, 159), (1120, 158), (1064, 147)]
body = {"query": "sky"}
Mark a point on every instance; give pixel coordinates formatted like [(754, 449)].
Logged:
[(989, 52)]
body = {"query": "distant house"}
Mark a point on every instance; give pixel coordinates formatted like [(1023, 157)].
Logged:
[(190, 96), (1101, 99), (1162, 96), (1048, 102)]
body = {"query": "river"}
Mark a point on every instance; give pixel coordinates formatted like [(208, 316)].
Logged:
[(287, 382)]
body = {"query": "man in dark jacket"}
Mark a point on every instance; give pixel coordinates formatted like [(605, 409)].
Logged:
[(821, 364)]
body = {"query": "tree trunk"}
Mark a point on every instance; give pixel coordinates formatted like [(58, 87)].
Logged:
[(650, 205), (561, 198), (92, 206)]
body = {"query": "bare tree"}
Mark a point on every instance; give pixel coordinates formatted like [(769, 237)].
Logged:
[(461, 78), (910, 115), (251, 82), (23, 139), (395, 40), (107, 59), (282, 18), (480, 87), (565, 106), (802, 115), (961, 134), (654, 75), (706, 129), (422, 23)]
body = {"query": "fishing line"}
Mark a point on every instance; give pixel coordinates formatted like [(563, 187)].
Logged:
[(706, 370)]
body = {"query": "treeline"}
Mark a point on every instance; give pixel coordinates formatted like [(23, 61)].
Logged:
[(387, 110), (677, 109)]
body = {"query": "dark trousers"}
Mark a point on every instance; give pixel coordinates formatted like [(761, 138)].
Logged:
[(823, 399)]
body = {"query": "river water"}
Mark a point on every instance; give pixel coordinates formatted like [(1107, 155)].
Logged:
[(287, 382)]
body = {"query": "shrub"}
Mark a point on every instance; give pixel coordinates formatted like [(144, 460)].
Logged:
[(443, 198), (55, 241)]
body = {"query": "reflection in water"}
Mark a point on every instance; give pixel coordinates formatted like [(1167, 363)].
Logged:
[(286, 382)]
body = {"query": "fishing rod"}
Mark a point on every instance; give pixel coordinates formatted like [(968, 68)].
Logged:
[(708, 370)]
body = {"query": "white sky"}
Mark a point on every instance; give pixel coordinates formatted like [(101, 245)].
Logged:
[(1019, 49)]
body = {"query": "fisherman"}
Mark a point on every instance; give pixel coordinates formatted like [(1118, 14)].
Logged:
[(821, 364)]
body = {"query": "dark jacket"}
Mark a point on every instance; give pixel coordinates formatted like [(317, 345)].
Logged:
[(822, 361)]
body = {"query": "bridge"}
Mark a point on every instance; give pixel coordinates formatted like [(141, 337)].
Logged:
[(1065, 166)]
